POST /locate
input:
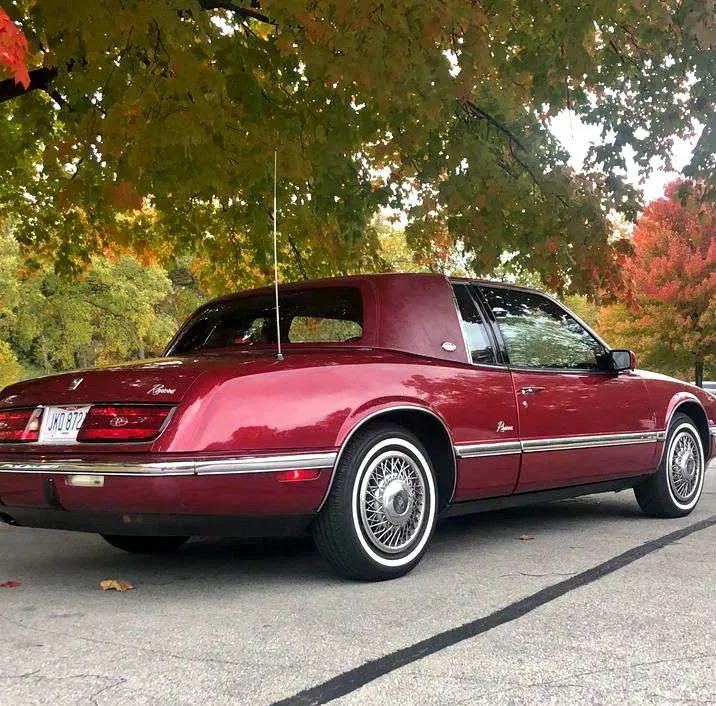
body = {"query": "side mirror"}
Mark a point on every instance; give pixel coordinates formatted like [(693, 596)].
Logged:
[(622, 359)]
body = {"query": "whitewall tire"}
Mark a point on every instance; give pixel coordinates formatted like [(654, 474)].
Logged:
[(382, 509), (675, 488)]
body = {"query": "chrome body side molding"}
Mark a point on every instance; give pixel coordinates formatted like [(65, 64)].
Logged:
[(223, 466), (504, 448), (588, 442), (498, 448)]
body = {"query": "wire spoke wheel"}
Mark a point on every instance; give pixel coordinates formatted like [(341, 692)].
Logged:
[(381, 512), (676, 486), (392, 501), (684, 466)]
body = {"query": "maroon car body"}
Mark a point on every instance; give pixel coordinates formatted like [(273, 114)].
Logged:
[(250, 444)]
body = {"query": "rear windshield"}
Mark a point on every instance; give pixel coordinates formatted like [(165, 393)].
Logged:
[(324, 315)]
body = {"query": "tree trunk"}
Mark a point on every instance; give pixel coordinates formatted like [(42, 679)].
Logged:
[(699, 373)]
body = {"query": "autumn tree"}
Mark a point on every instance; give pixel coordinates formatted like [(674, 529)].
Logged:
[(670, 303), (119, 309), (439, 109)]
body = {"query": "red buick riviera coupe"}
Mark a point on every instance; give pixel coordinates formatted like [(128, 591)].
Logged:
[(400, 398)]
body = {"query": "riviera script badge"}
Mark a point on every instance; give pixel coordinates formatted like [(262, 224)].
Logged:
[(160, 390)]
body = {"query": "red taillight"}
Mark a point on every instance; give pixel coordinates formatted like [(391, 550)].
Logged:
[(123, 422), (20, 424)]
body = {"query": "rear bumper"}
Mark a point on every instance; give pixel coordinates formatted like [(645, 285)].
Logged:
[(192, 489), (182, 467), (155, 525)]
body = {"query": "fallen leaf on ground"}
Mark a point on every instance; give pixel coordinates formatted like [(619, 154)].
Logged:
[(116, 585), (10, 584), (527, 536)]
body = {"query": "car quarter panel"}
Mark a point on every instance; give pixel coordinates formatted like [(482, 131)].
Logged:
[(325, 400), (323, 396)]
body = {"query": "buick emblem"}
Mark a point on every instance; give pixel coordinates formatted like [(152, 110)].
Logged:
[(75, 384)]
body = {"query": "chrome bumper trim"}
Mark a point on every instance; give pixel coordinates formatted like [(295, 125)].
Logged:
[(224, 466), (267, 464), (498, 448), (712, 431)]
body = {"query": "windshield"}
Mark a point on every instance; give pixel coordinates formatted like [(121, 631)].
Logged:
[(321, 315)]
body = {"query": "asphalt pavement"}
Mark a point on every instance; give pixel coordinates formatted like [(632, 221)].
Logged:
[(579, 601)]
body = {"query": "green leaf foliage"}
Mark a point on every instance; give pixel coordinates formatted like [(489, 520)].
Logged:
[(439, 109), (119, 309)]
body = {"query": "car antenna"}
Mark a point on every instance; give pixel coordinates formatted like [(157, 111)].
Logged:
[(279, 355)]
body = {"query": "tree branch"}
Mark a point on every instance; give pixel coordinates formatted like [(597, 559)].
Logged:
[(40, 80), (512, 142), (245, 12), (297, 255)]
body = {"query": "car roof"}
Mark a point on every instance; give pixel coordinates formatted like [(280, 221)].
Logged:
[(353, 280)]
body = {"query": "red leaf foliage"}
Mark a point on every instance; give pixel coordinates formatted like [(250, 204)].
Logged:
[(671, 275), (13, 47)]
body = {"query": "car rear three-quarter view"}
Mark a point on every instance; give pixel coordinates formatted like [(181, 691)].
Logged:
[(398, 399)]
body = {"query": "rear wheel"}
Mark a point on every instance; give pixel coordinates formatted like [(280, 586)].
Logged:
[(675, 488), (381, 512), (144, 545)]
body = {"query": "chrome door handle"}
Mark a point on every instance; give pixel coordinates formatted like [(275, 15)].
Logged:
[(531, 390)]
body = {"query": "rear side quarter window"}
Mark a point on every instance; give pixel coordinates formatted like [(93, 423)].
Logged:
[(477, 340)]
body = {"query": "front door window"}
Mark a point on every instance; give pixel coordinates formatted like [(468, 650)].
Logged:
[(538, 333)]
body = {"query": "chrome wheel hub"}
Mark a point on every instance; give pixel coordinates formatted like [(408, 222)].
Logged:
[(684, 466), (392, 501), (397, 501)]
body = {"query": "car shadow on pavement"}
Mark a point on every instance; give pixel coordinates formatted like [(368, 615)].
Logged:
[(226, 561)]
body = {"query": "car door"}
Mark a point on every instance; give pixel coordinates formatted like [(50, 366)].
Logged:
[(484, 414), (579, 422)]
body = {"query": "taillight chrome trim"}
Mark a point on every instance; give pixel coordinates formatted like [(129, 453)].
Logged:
[(149, 440), (193, 467)]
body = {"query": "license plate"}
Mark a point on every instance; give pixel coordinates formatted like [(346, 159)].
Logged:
[(61, 424)]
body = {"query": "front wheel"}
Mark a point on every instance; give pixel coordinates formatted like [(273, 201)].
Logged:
[(381, 512), (144, 545), (675, 488)]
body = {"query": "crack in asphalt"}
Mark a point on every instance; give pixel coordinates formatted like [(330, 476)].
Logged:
[(354, 679)]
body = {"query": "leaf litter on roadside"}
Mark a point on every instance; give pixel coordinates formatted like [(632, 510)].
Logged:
[(116, 585)]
